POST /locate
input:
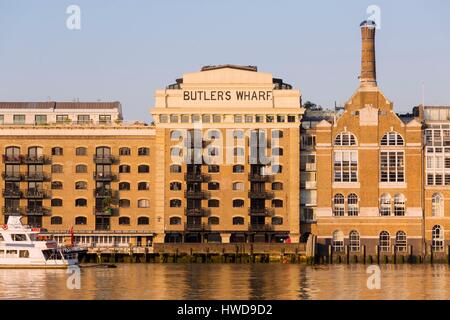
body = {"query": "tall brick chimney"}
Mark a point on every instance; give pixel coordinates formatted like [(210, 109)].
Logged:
[(368, 77)]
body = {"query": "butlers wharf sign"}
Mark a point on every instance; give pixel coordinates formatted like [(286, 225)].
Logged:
[(227, 95)]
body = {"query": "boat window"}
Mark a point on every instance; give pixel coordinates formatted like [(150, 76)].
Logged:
[(2, 253), (24, 254), (1, 238), (18, 237), (11, 253)]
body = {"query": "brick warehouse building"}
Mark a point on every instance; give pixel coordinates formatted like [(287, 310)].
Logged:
[(231, 157)]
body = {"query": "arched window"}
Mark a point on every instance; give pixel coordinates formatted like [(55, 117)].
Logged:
[(56, 220), (57, 151), (124, 221), (35, 152), (124, 203), (238, 221), (238, 203), (175, 186), (354, 241), (345, 139), (277, 151), (124, 168), (437, 239), (213, 203), (175, 168), (80, 202), (81, 185), (213, 220), (143, 220), (352, 204), (175, 220), (338, 205), (57, 168), (277, 186), (81, 168), (103, 152), (392, 139), (176, 135), (213, 134), (80, 151), (143, 151), (385, 205), (213, 185), (143, 185), (56, 202), (80, 220), (124, 186), (143, 203), (238, 168), (399, 205), (57, 185), (12, 154), (175, 203), (276, 221), (385, 241), (143, 168), (277, 203), (124, 151), (400, 241), (437, 205), (238, 186), (338, 241)]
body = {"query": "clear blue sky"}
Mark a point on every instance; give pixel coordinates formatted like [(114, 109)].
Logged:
[(126, 50)]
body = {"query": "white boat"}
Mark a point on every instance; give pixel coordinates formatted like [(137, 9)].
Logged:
[(21, 248)]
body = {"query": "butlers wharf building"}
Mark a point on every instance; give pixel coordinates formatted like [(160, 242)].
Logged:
[(232, 157)]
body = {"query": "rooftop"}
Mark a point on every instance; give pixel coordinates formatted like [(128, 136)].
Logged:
[(60, 105)]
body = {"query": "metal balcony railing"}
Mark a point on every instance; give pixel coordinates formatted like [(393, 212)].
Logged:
[(37, 194), (195, 226), (12, 176), (37, 211), (104, 176), (103, 193), (12, 193), (266, 212), (260, 227), (197, 177), (10, 159), (104, 159), (28, 159), (36, 176), (196, 194), (256, 177), (12, 211), (199, 212), (104, 211), (254, 194)]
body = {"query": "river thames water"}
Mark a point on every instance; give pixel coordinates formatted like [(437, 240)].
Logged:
[(229, 281)]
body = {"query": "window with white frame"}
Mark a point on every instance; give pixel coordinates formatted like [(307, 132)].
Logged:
[(338, 205), (437, 205), (352, 205), (399, 205), (384, 241), (392, 139), (392, 166), (338, 241), (345, 166), (385, 205), (400, 241), (354, 241), (437, 239), (345, 139)]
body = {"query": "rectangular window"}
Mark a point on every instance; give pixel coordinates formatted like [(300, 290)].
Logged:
[(163, 118), (62, 118), (237, 119), (291, 118), (19, 119), (392, 166), (2, 119), (40, 119), (217, 118), (206, 118), (248, 119), (104, 119), (83, 118), (280, 118), (346, 166)]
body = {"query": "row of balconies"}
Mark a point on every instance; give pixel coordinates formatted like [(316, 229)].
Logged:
[(26, 159), (201, 177), (16, 176), (29, 211), (253, 194), (207, 227), (27, 193), (205, 212)]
